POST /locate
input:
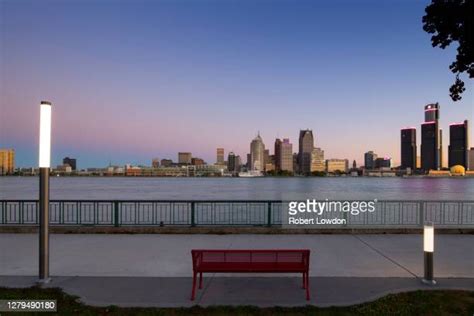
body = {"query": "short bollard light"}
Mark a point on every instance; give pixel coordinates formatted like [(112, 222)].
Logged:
[(428, 248)]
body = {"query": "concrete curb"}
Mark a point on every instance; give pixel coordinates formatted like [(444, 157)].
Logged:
[(233, 291)]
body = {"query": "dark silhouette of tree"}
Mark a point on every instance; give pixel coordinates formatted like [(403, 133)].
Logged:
[(451, 21)]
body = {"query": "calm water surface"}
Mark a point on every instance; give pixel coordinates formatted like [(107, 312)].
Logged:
[(241, 189)]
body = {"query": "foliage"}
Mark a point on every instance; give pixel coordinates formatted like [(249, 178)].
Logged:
[(451, 21)]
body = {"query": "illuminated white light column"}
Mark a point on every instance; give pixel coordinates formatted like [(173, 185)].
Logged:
[(44, 166), (428, 249)]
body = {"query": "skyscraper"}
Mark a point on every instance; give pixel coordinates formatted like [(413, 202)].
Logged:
[(317, 160), (440, 155), (432, 112), (408, 148), (233, 162), (71, 162), (431, 145), (286, 155), (277, 154), (7, 161), (306, 145), (458, 144), (257, 154), (471, 159), (220, 156), (369, 160), (266, 156)]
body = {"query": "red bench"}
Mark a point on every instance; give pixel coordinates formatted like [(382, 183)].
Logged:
[(245, 261)]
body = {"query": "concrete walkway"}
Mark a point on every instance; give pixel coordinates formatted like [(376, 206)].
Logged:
[(155, 270)]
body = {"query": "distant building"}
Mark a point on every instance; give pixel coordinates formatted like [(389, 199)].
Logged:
[(269, 167), (295, 162), (197, 161), (266, 156), (408, 148), (431, 139), (257, 154), (471, 159), (440, 151), (71, 162), (155, 163), (430, 158), (65, 168), (184, 158), (354, 164), (166, 162), (337, 165), (369, 160), (285, 156), (383, 163), (458, 150), (233, 163), (277, 154), (306, 145), (7, 161), (220, 156), (317, 160), (132, 171)]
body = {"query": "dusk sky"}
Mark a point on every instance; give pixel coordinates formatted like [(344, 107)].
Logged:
[(134, 80)]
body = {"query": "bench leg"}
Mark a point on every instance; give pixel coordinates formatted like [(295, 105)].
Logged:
[(193, 292), (307, 286), (200, 280), (304, 280)]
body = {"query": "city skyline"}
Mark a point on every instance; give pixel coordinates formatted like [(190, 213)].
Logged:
[(159, 78)]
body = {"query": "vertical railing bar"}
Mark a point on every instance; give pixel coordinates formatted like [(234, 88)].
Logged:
[(269, 215), (21, 213)]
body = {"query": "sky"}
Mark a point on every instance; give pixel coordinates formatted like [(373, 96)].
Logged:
[(134, 80)]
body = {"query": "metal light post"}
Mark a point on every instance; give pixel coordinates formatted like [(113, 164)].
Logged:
[(44, 166), (428, 248)]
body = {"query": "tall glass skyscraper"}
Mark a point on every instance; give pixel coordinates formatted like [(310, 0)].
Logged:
[(431, 145), (306, 145), (458, 144), (257, 155), (408, 148)]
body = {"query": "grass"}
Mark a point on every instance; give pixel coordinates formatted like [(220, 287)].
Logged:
[(439, 302)]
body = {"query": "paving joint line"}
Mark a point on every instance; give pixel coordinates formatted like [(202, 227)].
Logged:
[(384, 255)]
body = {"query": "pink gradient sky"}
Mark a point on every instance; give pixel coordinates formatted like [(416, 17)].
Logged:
[(147, 80)]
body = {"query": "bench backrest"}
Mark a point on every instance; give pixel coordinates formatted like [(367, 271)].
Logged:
[(250, 256)]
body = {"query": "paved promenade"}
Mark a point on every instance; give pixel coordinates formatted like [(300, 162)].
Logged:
[(155, 270)]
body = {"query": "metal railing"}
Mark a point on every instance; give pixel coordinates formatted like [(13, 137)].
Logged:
[(388, 214)]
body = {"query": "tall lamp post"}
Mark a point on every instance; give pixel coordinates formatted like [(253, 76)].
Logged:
[(44, 166)]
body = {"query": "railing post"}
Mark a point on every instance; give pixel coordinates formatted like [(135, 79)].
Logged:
[(269, 214), (4, 212), (193, 214), (116, 213)]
